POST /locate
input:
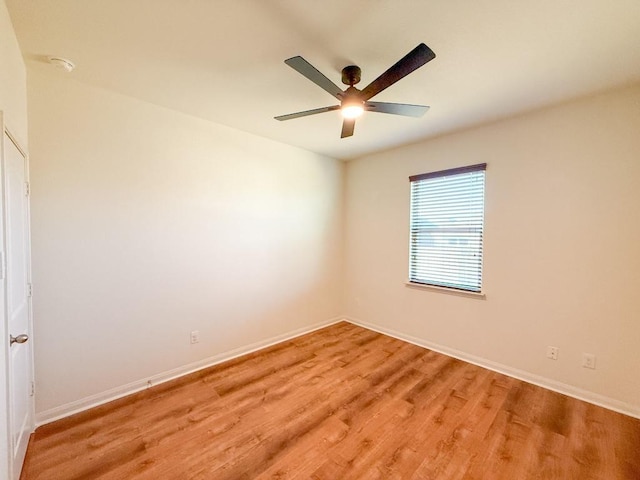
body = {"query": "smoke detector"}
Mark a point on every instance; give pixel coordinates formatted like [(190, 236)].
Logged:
[(62, 63)]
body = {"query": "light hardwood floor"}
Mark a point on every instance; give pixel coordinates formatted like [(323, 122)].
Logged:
[(340, 403)]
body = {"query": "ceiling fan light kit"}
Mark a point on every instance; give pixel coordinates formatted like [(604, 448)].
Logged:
[(354, 102), (352, 111), (351, 106)]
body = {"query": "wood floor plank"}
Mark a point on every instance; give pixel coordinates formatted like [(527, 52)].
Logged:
[(342, 403)]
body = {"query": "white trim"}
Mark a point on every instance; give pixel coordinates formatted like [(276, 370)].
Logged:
[(566, 389), (86, 403), (450, 291), (6, 442), (91, 401)]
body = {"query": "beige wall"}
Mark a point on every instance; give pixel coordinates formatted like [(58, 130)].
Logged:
[(562, 256), (13, 75), (148, 224)]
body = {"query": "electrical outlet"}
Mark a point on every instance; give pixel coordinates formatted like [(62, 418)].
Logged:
[(589, 360), (552, 352), (195, 336)]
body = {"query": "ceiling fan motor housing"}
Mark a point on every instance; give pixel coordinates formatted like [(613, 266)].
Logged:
[(351, 75)]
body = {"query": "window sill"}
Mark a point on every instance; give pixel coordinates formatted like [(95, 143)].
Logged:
[(449, 291)]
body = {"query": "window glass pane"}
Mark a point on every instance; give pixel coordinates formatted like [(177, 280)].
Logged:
[(447, 222)]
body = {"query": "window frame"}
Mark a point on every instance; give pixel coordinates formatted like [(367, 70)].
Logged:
[(475, 290)]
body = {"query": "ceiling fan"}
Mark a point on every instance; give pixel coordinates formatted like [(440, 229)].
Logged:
[(353, 101)]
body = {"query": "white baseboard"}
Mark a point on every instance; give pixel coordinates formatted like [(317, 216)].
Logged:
[(86, 403), (566, 389)]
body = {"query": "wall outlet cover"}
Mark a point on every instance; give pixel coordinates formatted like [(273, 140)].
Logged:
[(589, 360), (552, 352)]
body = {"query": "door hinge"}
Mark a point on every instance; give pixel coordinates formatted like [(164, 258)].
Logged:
[(29, 290), (32, 391), (27, 189)]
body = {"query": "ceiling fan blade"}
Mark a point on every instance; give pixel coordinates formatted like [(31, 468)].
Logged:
[(397, 108), (307, 113), (407, 64), (347, 127), (303, 67)]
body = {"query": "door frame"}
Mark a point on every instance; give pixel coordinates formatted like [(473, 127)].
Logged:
[(6, 443)]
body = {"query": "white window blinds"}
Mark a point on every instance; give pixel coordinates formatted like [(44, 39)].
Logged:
[(447, 221)]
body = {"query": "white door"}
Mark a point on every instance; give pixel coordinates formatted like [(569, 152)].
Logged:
[(18, 302)]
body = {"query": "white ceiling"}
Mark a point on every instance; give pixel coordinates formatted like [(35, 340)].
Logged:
[(222, 60)]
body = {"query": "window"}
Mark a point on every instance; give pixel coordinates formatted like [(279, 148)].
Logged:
[(446, 228)]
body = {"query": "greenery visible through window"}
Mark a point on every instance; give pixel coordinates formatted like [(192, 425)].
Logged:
[(447, 223)]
